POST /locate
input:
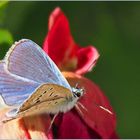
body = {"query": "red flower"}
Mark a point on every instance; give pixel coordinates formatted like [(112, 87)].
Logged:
[(95, 120), (99, 121), (61, 47), (33, 127)]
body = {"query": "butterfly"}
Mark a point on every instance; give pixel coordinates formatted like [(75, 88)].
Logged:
[(31, 83)]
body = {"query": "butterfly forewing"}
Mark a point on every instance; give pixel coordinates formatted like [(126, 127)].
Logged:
[(28, 60), (13, 89)]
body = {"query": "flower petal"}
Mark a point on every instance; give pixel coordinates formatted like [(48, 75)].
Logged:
[(63, 50), (97, 112), (114, 136), (57, 13), (72, 127), (59, 43), (34, 127), (87, 58)]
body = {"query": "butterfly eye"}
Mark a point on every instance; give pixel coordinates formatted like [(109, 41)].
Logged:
[(78, 94)]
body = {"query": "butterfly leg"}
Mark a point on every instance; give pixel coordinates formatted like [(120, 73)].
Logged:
[(79, 110), (7, 120), (82, 106), (52, 121)]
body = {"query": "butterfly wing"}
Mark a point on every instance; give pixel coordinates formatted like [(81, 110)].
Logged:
[(48, 98), (13, 89), (28, 60)]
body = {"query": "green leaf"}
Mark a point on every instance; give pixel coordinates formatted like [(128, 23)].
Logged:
[(6, 40), (2, 3), (3, 6), (5, 37)]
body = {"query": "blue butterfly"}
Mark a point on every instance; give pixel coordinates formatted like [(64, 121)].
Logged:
[(30, 82)]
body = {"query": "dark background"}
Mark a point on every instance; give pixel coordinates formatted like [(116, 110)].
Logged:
[(113, 27)]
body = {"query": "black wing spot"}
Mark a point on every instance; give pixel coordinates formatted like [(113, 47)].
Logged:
[(51, 94), (51, 88), (38, 101), (40, 95), (44, 92), (55, 96), (55, 102)]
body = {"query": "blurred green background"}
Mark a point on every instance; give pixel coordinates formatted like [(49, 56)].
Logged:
[(113, 27)]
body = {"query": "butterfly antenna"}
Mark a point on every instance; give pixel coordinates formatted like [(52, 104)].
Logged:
[(76, 86), (84, 91), (52, 121), (103, 108)]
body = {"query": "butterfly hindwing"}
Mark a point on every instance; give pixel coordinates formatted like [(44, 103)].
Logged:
[(28, 60), (47, 97), (14, 90)]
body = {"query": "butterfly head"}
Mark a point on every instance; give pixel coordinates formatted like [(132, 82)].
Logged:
[(77, 92)]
